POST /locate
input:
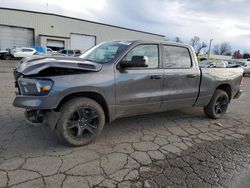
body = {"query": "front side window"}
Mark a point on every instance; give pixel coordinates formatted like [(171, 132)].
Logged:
[(176, 57), (149, 51)]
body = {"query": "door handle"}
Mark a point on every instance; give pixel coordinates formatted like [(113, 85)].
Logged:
[(191, 75), (156, 77)]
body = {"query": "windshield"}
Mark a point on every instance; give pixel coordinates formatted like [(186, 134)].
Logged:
[(105, 52)]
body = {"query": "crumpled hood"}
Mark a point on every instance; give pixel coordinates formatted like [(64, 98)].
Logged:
[(33, 65)]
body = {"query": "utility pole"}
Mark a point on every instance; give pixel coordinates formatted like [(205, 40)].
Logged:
[(209, 49)]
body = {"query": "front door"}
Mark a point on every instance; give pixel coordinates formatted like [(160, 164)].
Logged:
[(139, 90)]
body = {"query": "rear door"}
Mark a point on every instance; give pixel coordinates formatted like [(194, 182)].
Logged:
[(181, 77), (139, 90)]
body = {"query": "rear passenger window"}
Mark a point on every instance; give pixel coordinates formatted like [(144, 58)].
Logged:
[(176, 57)]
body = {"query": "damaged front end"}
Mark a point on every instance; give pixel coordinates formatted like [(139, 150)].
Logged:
[(34, 80), (44, 66), (34, 116), (46, 117)]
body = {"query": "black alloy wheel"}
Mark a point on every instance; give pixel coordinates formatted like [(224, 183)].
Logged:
[(80, 122), (221, 104), (83, 123), (217, 106)]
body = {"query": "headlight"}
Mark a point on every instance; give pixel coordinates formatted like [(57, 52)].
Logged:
[(35, 87)]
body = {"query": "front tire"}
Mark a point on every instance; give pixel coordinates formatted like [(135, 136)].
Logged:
[(81, 121), (217, 107)]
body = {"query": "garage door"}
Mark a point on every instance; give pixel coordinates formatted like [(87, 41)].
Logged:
[(55, 44), (15, 37), (81, 42)]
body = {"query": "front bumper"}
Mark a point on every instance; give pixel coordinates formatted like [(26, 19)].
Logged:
[(238, 94), (36, 102)]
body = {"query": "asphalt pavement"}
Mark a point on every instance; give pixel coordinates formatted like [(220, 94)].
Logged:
[(172, 149)]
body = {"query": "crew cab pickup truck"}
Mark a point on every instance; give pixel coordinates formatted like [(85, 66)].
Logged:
[(76, 96)]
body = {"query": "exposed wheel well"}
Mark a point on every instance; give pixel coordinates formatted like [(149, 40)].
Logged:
[(227, 89), (92, 95)]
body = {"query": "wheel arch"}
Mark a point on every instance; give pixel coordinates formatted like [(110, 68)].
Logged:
[(91, 95), (227, 88)]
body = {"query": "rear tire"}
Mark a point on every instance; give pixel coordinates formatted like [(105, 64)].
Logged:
[(217, 107), (81, 121)]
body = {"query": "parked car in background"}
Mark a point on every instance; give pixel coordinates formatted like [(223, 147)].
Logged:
[(213, 64), (5, 54), (44, 50), (237, 63), (22, 52), (71, 53), (49, 51), (76, 96), (246, 68)]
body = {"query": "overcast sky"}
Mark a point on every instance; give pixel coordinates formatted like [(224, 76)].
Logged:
[(222, 20)]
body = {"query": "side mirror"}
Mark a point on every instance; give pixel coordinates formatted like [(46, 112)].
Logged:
[(136, 61)]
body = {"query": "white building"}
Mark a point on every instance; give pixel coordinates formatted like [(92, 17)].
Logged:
[(19, 28)]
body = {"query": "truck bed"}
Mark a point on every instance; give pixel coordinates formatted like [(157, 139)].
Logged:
[(212, 78)]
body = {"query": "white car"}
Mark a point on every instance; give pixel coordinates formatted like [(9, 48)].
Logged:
[(49, 51), (213, 64), (23, 52), (246, 68), (238, 63)]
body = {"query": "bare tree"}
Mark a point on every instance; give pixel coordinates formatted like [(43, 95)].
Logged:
[(237, 55), (216, 49), (197, 45), (194, 41), (222, 49), (177, 39), (246, 55), (225, 48), (201, 46)]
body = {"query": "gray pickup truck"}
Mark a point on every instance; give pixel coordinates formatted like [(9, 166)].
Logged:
[(76, 96)]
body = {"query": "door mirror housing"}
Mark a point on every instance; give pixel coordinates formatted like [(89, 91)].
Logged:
[(136, 61)]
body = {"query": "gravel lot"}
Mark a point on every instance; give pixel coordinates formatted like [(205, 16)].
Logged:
[(171, 149)]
